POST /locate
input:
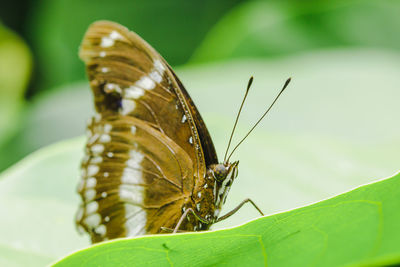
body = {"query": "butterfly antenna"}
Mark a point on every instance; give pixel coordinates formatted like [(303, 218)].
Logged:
[(262, 117), (237, 116)]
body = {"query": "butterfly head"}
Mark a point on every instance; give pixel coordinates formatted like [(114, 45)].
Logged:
[(225, 173)]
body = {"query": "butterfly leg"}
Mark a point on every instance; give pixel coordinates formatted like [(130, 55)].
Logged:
[(203, 220), (229, 214)]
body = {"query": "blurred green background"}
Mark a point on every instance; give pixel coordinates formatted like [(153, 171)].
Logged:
[(39, 40), (335, 128)]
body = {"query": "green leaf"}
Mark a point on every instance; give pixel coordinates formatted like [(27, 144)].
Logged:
[(268, 29), (356, 228), (38, 198)]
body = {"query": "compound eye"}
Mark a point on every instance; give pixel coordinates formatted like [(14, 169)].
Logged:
[(220, 172)]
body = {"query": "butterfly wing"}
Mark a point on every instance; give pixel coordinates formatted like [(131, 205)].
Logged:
[(210, 156), (144, 153)]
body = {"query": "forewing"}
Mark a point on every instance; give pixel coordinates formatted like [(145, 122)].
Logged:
[(207, 145), (128, 77)]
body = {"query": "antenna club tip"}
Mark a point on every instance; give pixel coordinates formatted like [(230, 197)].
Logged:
[(287, 83), (249, 83)]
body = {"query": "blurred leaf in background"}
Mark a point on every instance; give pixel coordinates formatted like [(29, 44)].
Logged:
[(264, 29), (175, 28), (39, 123), (15, 70)]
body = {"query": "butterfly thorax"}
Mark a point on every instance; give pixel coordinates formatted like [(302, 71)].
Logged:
[(209, 196)]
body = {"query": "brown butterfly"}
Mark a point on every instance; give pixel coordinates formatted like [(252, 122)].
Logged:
[(150, 163)]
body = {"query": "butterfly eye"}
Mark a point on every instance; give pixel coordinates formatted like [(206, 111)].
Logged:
[(220, 172)]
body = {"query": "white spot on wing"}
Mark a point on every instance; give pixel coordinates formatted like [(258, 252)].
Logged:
[(191, 140), (90, 194), (96, 160), (92, 170), (92, 207), (127, 106), (145, 83), (104, 194), (104, 69), (136, 220), (135, 159), (93, 220), (91, 182), (93, 138), (133, 92), (112, 87), (106, 42), (97, 149), (131, 193), (107, 128), (105, 138), (154, 75), (101, 230), (110, 154), (159, 66), (106, 174), (198, 206), (183, 118), (133, 129), (116, 35), (102, 54), (131, 176)]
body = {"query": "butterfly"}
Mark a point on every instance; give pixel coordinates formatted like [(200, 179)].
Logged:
[(150, 165)]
